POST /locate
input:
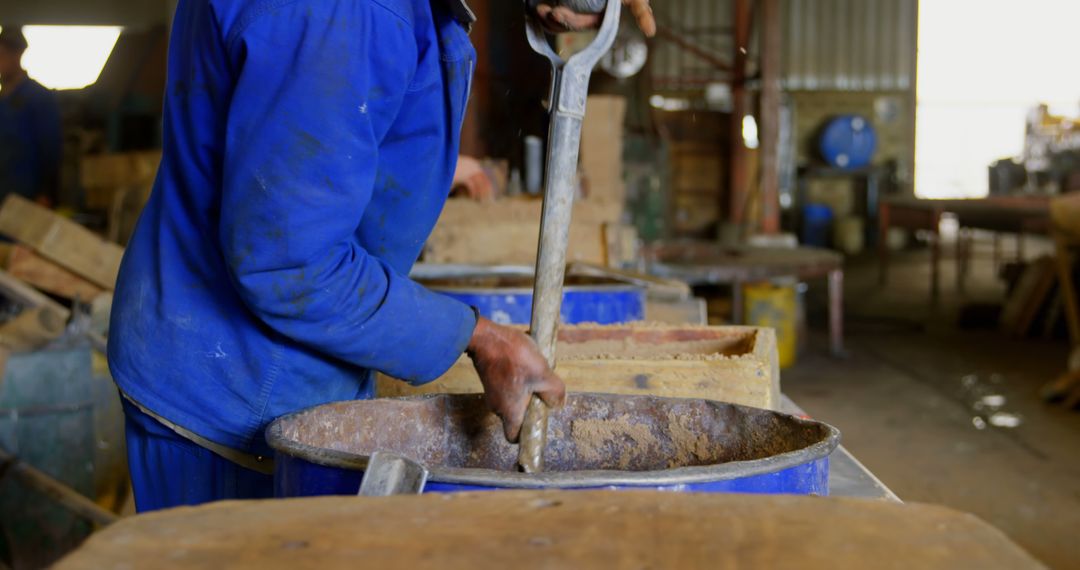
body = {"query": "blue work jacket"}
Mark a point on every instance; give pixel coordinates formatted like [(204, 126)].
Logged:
[(309, 147), (31, 142)]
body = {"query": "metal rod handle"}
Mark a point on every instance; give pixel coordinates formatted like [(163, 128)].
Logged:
[(569, 89)]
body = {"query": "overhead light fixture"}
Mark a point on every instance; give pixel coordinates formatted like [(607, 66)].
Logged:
[(68, 57)]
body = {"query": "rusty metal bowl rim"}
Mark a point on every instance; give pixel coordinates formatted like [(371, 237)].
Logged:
[(424, 272), (574, 479)]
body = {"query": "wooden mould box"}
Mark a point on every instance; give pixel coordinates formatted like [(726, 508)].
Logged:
[(730, 364)]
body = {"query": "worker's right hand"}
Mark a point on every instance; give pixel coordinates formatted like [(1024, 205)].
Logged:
[(557, 17), (512, 369)]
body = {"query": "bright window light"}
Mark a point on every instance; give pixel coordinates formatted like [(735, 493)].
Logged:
[(983, 65), (68, 57), (750, 132)]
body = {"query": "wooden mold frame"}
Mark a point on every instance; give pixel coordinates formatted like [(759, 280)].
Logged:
[(730, 364)]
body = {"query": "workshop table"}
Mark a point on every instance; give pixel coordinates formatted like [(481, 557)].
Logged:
[(1027, 214), (848, 477), (707, 263)]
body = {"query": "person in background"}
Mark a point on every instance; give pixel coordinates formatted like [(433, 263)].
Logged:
[(30, 134)]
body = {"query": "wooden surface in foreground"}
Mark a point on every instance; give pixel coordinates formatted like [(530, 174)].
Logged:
[(552, 529)]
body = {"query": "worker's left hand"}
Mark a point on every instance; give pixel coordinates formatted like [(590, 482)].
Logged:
[(558, 18), (512, 369)]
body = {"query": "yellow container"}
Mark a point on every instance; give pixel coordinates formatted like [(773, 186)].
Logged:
[(775, 306)]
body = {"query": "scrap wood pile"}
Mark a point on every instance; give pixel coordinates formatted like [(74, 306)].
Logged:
[(1065, 230), (51, 263)]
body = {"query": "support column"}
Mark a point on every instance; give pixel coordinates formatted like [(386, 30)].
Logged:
[(769, 116), (739, 176)]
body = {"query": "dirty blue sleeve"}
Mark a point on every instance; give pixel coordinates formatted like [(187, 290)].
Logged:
[(300, 165)]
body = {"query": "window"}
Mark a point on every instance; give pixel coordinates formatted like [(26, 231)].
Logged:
[(983, 65)]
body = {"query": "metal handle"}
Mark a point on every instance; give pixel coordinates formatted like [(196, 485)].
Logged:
[(569, 89)]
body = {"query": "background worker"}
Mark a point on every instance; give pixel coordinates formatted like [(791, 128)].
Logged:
[(30, 134)]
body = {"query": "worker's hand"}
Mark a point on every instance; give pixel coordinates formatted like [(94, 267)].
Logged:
[(471, 176), (559, 18), (512, 369)]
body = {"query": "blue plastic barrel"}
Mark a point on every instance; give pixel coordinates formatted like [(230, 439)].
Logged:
[(848, 142), (504, 294), (602, 304), (816, 225), (606, 441)]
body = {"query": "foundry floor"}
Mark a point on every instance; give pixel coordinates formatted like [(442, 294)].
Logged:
[(904, 401)]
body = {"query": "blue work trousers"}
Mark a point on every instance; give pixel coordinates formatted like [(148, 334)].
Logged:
[(168, 470)]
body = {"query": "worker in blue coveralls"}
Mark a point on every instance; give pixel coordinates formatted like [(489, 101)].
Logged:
[(30, 134), (309, 148)]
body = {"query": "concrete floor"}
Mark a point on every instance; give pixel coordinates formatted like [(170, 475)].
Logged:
[(904, 400)]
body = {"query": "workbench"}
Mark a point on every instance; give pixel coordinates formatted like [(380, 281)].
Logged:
[(1019, 215), (847, 476), (551, 529), (708, 263)]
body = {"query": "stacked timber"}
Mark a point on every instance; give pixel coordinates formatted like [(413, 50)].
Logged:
[(52, 259)]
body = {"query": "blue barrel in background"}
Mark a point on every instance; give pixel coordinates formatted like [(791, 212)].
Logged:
[(671, 444), (848, 142), (504, 294), (816, 225)]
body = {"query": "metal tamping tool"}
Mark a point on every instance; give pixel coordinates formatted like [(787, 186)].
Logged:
[(569, 89)]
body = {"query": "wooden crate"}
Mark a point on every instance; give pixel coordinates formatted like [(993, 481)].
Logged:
[(602, 147), (505, 232), (731, 364), (103, 175)]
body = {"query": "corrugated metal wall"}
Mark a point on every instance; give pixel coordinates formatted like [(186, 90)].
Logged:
[(849, 45), (846, 45), (703, 23)]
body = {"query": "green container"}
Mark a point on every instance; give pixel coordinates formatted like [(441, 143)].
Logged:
[(47, 402)]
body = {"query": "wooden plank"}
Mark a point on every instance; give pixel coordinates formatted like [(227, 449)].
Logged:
[(506, 232), (42, 319), (1028, 297), (730, 364), (553, 529), (27, 266), (692, 311), (56, 491), (602, 147), (1063, 259), (26, 295), (61, 240), (655, 287), (32, 329), (103, 175)]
